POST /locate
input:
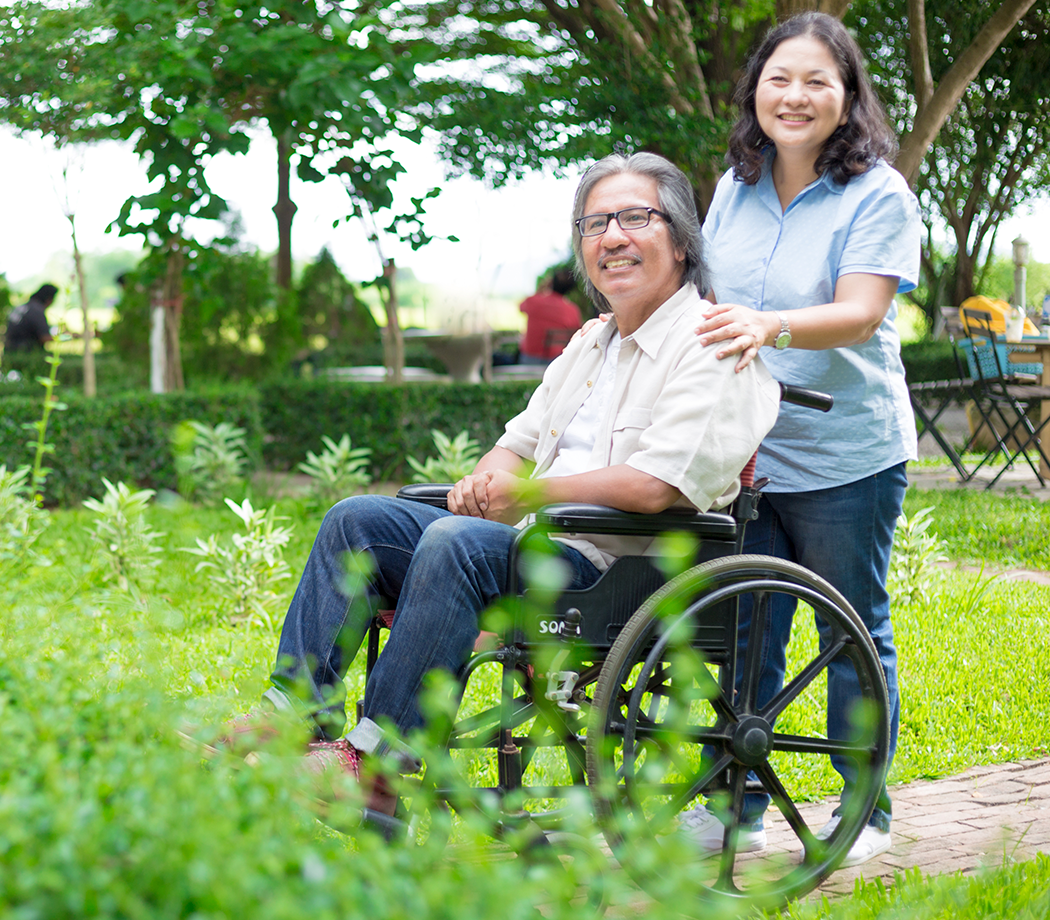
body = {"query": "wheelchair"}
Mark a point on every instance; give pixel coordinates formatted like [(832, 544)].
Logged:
[(643, 688)]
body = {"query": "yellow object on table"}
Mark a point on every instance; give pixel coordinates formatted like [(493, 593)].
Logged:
[(999, 310)]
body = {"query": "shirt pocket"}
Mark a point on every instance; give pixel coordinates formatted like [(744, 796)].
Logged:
[(627, 432)]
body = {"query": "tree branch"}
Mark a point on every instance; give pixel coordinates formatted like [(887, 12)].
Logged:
[(919, 52), (930, 118), (608, 20)]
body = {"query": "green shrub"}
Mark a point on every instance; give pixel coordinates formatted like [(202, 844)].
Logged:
[(113, 375), (456, 458), (121, 533), (22, 521), (248, 572), (124, 438), (929, 360), (217, 463), (338, 471), (392, 421)]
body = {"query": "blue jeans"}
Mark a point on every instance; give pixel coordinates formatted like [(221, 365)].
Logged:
[(845, 535), (443, 569)]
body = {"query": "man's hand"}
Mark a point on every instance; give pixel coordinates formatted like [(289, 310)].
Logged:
[(495, 495)]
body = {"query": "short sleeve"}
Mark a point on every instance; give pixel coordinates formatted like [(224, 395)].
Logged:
[(885, 235)]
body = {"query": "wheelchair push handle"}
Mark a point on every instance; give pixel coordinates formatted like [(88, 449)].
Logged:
[(811, 399)]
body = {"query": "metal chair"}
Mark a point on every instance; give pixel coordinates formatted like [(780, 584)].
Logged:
[(1008, 395)]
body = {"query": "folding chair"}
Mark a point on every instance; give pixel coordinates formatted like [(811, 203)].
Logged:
[(1006, 394), (931, 398)]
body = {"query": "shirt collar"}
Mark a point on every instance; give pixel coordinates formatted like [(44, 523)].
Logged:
[(651, 334)]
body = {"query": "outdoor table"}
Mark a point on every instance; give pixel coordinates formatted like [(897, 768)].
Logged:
[(464, 354), (1021, 355)]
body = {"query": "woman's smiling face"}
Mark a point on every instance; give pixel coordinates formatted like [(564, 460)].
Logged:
[(800, 98)]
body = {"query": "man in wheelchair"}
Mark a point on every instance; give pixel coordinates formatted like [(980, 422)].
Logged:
[(636, 415)]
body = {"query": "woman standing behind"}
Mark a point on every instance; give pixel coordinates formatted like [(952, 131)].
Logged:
[(809, 236)]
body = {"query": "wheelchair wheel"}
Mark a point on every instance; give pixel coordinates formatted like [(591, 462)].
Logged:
[(674, 723), (550, 741)]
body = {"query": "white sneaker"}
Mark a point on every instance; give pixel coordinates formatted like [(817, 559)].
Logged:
[(871, 843), (708, 833)]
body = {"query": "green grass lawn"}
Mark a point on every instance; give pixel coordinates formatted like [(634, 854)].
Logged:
[(103, 813), (1000, 531)]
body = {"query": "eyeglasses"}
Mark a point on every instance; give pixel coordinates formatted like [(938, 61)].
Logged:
[(628, 219)]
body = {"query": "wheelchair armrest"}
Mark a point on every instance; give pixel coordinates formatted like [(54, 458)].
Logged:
[(428, 493), (575, 517)]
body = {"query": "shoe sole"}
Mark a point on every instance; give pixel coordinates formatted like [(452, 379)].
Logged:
[(706, 853), (848, 863)]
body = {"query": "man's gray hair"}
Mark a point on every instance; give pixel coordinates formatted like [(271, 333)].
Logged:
[(676, 201)]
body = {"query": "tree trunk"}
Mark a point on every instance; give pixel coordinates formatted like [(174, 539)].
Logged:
[(173, 317), (929, 118), (89, 333), (965, 266), (284, 210), (393, 341), (788, 8)]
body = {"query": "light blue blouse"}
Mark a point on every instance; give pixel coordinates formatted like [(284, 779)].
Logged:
[(769, 259)]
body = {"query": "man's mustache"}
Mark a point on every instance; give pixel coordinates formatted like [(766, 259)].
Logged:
[(618, 256)]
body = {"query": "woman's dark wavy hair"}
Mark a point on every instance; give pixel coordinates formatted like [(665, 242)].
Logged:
[(855, 146)]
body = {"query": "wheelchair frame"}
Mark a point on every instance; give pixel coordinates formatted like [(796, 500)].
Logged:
[(615, 640)]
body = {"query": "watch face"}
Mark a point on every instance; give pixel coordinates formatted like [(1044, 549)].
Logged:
[(783, 340)]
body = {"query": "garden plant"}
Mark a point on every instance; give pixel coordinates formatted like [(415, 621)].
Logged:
[(105, 812)]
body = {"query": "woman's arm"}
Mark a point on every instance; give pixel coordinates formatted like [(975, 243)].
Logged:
[(860, 305)]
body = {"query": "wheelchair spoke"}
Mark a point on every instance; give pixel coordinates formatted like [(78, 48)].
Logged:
[(784, 802), (753, 656), (804, 744), (727, 860), (803, 679)]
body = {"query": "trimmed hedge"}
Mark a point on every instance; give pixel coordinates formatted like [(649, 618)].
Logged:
[(929, 360), (393, 421), (123, 437), (127, 438)]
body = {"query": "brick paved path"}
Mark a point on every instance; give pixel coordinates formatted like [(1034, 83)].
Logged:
[(980, 818)]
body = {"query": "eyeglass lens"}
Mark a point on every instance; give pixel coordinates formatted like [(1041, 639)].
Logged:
[(628, 219)]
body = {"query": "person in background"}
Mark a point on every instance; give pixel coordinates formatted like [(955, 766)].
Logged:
[(27, 326), (552, 318), (809, 236)]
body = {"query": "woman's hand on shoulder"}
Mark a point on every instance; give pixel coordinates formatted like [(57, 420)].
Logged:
[(737, 330), (590, 324)]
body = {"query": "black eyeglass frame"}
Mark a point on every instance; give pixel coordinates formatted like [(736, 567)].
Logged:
[(615, 215)]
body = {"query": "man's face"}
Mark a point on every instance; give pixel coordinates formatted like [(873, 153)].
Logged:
[(636, 270)]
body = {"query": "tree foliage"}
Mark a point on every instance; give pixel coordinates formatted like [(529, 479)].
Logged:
[(184, 80), (557, 83), (991, 152)]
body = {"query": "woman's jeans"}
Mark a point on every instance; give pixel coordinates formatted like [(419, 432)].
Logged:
[(443, 569), (845, 535)]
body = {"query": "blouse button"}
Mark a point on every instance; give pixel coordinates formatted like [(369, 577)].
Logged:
[(554, 432), (590, 383)]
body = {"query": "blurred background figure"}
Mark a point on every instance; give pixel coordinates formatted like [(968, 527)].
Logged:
[(552, 319), (27, 326)]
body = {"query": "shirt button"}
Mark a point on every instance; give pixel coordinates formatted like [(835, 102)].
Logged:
[(554, 432), (590, 383)]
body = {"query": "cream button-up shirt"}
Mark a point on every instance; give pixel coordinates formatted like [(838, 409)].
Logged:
[(676, 413)]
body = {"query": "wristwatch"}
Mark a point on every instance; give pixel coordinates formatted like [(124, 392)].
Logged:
[(784, 338)]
